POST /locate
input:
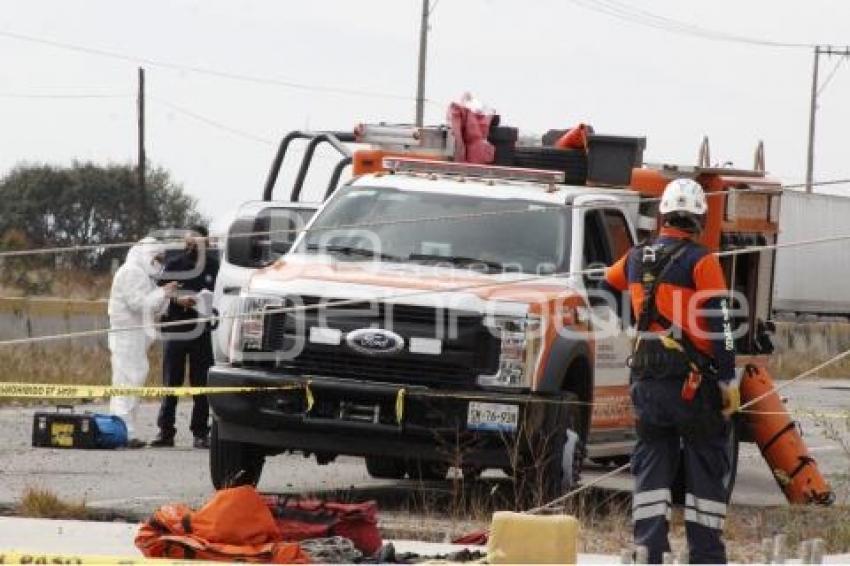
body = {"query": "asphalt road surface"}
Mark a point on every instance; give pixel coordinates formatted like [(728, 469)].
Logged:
[(138, 481)]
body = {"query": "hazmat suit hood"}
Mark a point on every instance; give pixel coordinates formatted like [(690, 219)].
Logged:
[(143, 255)]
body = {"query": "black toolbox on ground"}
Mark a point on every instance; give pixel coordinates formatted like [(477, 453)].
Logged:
[(63, 428)]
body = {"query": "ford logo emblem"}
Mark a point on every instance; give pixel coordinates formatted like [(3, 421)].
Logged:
[(374, 341)]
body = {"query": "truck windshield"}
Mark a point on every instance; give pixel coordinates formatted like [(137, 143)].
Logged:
[(493, 235)]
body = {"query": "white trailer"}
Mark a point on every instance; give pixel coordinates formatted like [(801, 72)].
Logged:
[(813, 279)]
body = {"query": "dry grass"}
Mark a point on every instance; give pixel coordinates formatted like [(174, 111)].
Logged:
[(65, 364), (63, 283), (606, 526), (746, 527), (44, 504), (802, 346)]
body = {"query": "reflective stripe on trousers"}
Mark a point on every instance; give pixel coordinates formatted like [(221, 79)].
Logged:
[(652, 503), (705, 512)]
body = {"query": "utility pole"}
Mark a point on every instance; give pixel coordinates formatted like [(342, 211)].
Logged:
[(141, 165), (813, 108), (423, 56)]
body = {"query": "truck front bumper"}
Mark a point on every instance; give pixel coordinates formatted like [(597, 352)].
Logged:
[(332, 416)]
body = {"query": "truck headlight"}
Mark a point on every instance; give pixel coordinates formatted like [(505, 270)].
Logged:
[(250, 324), (521, 342)]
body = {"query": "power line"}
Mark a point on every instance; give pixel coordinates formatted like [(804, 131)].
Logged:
[(51, 96), (200, 70), (174, 107), (635, 15), (645, 17), (211, 122), (230, 129)]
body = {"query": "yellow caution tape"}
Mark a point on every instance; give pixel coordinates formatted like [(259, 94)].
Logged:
[(399, 406), (17, 557), (56, 391), (72, 391)]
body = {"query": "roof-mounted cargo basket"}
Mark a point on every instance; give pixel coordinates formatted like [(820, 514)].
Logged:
[(432, 140)]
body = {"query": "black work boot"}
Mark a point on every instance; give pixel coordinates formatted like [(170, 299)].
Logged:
[(201, 442), (163, 440)]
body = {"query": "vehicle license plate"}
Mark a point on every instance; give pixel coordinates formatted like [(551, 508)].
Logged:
[(492, 416)]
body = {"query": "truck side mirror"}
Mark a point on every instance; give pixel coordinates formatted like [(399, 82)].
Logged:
[(243, 244), (259, 237)]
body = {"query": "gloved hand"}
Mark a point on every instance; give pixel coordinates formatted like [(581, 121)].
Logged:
[(731, 393)]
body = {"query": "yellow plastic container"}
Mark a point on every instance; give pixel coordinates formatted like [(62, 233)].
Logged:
[(517, 538)]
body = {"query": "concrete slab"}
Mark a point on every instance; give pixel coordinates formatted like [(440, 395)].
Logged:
[(48, 536), (67, 537)]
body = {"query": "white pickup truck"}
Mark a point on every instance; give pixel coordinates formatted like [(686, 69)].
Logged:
[(427, 315)]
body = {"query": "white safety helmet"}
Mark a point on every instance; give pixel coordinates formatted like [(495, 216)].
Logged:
[(683, 196)]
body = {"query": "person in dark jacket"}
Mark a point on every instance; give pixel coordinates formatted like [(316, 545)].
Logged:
[(195, 269), (684, 384)]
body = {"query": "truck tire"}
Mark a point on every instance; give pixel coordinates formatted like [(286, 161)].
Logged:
[(427, 470), (234, 463), (384, 468), (549, 465)]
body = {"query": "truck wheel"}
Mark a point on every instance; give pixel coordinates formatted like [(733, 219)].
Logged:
[(385, 468), (234, 463), (426, 470), (471, 473), (550, 463)]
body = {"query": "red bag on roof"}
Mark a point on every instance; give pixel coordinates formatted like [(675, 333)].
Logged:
[(299, 520), (234, 526), (470, 125)]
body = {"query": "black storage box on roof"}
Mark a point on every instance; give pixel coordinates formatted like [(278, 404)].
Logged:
[(572, 162), (504, 140), (610, 159)]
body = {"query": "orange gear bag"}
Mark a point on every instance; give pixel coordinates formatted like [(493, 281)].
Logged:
[(234, 526), (780, 441)]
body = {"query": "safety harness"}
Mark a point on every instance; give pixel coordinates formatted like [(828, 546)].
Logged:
[(660, 355)]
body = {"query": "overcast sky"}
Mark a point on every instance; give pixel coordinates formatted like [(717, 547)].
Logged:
[(541, 64)]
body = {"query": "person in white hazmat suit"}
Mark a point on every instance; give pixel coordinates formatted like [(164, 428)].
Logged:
[(135, 300)]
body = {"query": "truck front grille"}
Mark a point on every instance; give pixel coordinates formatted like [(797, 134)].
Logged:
[(468, 348)]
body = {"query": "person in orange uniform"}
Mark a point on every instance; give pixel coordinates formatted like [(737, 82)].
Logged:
[(684, 384)]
